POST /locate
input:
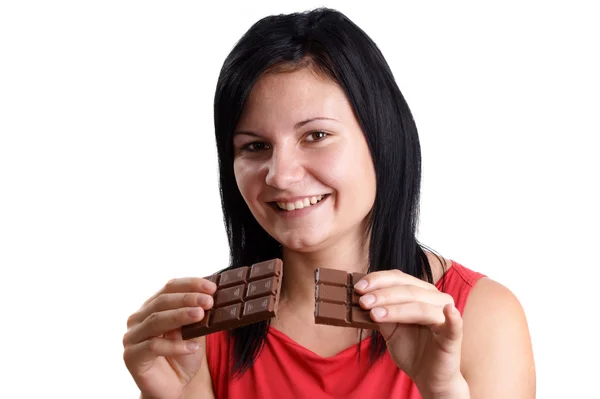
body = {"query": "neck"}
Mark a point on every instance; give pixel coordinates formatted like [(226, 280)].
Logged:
[(298, 290)]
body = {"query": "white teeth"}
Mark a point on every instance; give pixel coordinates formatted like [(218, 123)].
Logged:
[(300, 204)]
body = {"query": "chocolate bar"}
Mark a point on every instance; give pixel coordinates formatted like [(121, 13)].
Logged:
[(244, 295), (336, 301)]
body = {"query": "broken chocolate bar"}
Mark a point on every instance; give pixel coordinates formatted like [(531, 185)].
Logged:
[(336, 301), (244, 295)]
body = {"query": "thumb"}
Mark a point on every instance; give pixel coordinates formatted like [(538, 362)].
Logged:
[(452, 328), (388, 329)]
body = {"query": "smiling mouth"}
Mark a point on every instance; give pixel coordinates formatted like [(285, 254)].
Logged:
[(297, 205)]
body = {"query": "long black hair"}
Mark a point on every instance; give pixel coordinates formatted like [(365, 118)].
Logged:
[(332, 45)]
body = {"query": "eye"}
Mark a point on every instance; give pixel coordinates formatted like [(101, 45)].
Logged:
[(316, 136), (255, 146)]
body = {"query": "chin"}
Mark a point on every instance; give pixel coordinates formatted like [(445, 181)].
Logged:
[(302, 243)]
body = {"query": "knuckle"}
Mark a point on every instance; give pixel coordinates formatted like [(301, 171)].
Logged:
[(170, 284), (381, 297), (126, 339), (410, 292), (398, 273), (153, 321), (159, 302), (132, 319), (127, 356), (423, 308), (153, 345), (188, 299), (449, 299)]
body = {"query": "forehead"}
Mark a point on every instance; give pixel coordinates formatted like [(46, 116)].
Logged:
[(280, 100)]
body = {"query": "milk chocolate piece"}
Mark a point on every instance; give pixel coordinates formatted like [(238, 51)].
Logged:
[(334, 314), (331, 293), (259, 309), (244, 295), (233, 277), (331, 277), (336, 301), (229, 295), (264, 269)]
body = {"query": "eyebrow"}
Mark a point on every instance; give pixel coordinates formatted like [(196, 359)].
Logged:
[(296, 126)]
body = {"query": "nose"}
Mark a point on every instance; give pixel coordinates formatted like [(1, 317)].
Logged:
[(284, 169)]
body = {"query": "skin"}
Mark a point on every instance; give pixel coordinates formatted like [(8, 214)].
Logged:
[(280, 157)]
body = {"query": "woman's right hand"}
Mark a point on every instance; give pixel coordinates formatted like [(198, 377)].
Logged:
[(160, 361)]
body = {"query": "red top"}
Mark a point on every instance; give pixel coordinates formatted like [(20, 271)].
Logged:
[(285, 369)]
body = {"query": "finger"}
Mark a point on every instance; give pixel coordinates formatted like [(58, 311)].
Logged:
[(178, 285), (389, 278), (452, 328), (145, 352), (173, 334), (160, 323), (409, 313), (186, 284), (171, 301), (404, 294)]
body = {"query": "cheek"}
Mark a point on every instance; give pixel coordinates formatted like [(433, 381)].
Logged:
[(245, 178), (332, 169), (363, 167), (367, 188), (349, 169)]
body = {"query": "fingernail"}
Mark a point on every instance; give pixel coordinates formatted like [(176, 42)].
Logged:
[(379, 313), (191, 346), (195, 312), (210, 286), (368, 299), (361, 285), (204, 300)]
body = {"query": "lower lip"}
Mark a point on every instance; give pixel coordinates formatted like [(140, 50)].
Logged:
[(296, 213)]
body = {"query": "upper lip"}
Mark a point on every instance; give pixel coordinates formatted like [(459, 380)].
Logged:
[(294, 199)]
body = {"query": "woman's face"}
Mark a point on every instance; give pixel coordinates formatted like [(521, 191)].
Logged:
[(302, 163)]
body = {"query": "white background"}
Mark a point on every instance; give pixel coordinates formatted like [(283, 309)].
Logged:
[(108, 173)]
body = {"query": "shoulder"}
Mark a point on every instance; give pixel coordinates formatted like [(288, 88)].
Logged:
[(490, 303), (496, 343)]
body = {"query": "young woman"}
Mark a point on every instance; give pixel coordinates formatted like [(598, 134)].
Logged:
[(320, 165)]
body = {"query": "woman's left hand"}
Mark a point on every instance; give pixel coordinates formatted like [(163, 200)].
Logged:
[(421, 327)]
